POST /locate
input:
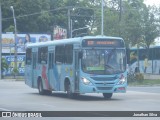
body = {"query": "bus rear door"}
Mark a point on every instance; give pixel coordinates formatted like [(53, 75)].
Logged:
[(51, 79), (34, 65)]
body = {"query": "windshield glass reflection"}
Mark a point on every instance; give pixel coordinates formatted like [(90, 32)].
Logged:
[(109, 61)]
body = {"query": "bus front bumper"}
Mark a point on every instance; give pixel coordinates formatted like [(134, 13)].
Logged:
[(103, 89)]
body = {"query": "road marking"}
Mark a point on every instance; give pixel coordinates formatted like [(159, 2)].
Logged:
[(5, 109)]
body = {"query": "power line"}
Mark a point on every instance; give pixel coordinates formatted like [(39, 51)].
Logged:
[(36, 13), (46, 11)]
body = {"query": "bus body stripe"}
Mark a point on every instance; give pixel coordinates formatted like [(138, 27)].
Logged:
[(44, 76)]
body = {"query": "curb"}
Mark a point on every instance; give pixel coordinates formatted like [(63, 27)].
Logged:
[(12, 80)]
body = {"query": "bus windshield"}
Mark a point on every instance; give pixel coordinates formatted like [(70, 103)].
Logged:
[(104, 62)]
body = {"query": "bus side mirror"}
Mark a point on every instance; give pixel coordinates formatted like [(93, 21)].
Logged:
[(80, 55)]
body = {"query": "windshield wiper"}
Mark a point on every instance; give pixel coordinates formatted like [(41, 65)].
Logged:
[(109, 66)]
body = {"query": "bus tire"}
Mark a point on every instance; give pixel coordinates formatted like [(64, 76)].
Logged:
[(107, 95), (47, 92), (69, 91), (40, 87)]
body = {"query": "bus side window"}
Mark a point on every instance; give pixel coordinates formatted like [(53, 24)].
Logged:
[(42, 55), (69, 54), (59, 54), (43, 58)]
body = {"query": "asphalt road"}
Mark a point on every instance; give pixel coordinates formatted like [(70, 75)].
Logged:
[(16, 96)]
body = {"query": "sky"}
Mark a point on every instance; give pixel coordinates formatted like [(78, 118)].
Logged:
[(152, 2)]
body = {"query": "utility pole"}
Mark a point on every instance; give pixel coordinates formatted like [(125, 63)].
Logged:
[(102, 16), (71, 28), (0, 41), (120, 16), (15, 36), (120, 13)]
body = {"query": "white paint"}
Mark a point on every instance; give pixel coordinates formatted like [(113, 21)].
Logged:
[(3, 109)]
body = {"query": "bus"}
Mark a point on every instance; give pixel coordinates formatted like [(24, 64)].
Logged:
[(145, 61), (90, 64)]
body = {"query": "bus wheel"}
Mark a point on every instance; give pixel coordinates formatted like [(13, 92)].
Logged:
[(107, 95), (69, 91), (47, 92), (40, 87)]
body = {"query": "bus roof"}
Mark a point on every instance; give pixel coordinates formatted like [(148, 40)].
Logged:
[(55, 42), (100, 37), (69, 41), (135, 48)]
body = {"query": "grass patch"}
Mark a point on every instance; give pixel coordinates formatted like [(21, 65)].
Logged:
[(145, 82)]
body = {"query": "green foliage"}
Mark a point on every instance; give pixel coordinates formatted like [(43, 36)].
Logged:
[(4, 65), (135, 77), (139, 77), (40, 16), (151, 25), (15, 71), (133, 20), (9, 29), (131, 78)]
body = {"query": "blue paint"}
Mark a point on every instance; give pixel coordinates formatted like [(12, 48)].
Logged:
[(55, 73)]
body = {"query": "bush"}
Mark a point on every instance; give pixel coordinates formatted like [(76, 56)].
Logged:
[(15, 72), (4, 66), (131, 77), (139, 77)]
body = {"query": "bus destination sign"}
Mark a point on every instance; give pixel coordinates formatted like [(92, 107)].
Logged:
[(103, 43)]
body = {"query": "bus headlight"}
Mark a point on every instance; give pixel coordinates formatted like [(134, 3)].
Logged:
[(122, 80), (85, 81)]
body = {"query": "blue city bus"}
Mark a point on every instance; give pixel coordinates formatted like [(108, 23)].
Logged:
[(90, 64)]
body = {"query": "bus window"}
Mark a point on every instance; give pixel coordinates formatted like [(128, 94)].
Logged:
[(28, 56), (104, 61), (59, 54), (68, 54), (42, 55)]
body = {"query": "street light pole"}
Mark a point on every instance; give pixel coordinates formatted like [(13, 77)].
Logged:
[(69, 22), (15, 35), (102, 18), (71, 27)]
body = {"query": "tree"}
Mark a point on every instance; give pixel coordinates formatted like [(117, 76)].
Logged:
[(151, 27), (4, 65), (40, 16), (132, 29), (130, 19)]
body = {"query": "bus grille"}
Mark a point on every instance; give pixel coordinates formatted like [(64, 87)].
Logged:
[(104, 78), (104, 88)]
